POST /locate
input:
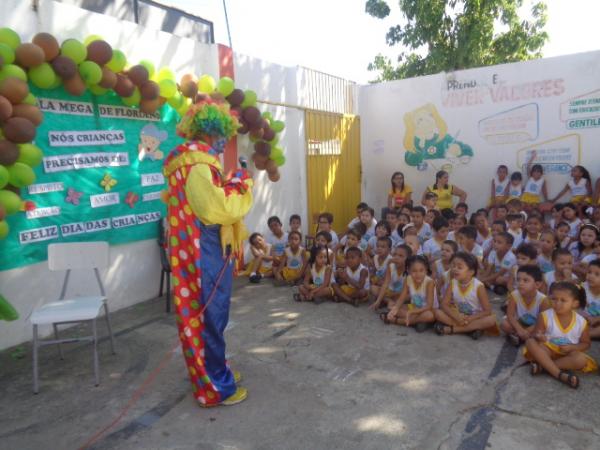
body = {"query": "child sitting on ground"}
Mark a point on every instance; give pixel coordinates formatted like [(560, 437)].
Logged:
[(533, 229), (456, 224), (432, 248), (526, 255), (498, 226), (398, 235), (466, 240), (395, 275), (318, 279), (296, 223), (430, 201), (569, 212), (423, 229), (419, 291), (352, 283), (441, 267), (380, 263), (582, 248), (412, 240), (277, 238), (501, 212), (325, 224), (515, 227), (497, 268), (291, 268), (352, 239), (563, 269), (548, 243), (499, 184), (525, 304), (262, 262), (465, 307), (514, 190), (461, 210), (323, 239), (592, 290), (382, 229), (431, 215), (562, 234), (561, 336), (481, 225)]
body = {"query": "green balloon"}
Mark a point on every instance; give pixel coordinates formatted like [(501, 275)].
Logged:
[(30, 154), (267, 116), (43, 76), (4, 177), (149, 67), (134, 99), (4, 229), (225, 86), (206, 84), (167, 88), (90, 72), (7, 53), (249, 98), (165, 74), (118, 61), (274, 141), (30, 99), (280, 161), (176, 101), (97, 90), (21, 175), (72, 48), (276, 152), (12, 70), (277, 126), (10, 38), (10, 201)]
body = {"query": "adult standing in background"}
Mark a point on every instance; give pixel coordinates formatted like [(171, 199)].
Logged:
[(444, 191), (401, 193)]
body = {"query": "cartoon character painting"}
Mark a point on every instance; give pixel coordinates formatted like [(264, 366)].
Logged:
[(150, 139), (427, 138)]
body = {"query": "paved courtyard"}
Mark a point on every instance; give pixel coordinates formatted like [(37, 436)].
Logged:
[(319, 377)]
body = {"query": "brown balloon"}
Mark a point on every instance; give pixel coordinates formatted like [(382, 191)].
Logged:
[(252, 115), (75, 85), (9, 152), (271, 166), (262, 148), (243, 129), (274, 176), (259, 161), (149, 106), (138, 75), (29, 112), (64, 67), (48, 44), (189, 89), (256, 133), (99, 51), (150, 90), (187, 78), (236, 97), (109, 79), (162, 101), (19, 130), (217, 97), (6, 109), (29, 55), (124, 87), (14, 89), (268, 134)]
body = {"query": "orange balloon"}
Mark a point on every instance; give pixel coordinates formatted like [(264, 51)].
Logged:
[(274, 176), (271, 166), (149, 106), (75, 85)]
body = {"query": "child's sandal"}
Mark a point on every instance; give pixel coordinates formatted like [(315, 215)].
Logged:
[(536, 369), (383, 317), (440, 329), (572, 380), (297, 298)]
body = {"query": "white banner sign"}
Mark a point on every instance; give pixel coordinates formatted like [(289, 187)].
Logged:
[(148, 217), (43, 188), (53, 105), (124, 221), (38, 234), (153, 179), (79, 161), (150, 196), (123, 112), (72, 229), (111, 198), (43, 212), (85, 138)]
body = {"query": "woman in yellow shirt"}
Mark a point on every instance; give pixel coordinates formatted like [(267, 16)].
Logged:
[(444, 191), (401, 193)]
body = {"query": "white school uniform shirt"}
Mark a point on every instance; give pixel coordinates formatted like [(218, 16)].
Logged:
[(579, 188), (507, 262), (424, 233), (279, 243), (396, 279), (294, 261), (589, 258), (318, 278), (480, 239), (518, 236), (534, 187), (500, 186), (592, 301), (466, 300), (356, 220), (335, 240), (451, 236), (545, 264), (515, 190), (528, 314), (433, 249), (444, 276), (418, 296), (558, 335), (381, 267), (550, 277), (355, 275), (266, 252), (477, 251), (574, 227), (396, 239), (487, 245)]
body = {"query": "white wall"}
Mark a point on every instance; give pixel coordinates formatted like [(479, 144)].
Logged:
[(135, 268), (511, 92)]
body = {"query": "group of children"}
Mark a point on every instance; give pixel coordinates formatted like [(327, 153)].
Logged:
[(425, 267)]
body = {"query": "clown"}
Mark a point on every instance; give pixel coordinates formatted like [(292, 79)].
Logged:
[(426, 138), (205, 215)]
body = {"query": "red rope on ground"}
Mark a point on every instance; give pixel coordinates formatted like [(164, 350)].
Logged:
[(151, 377)]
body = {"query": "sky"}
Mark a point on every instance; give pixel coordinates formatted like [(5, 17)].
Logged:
[(339, 38)]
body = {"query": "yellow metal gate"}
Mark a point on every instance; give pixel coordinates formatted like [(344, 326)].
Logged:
[(333, 166)]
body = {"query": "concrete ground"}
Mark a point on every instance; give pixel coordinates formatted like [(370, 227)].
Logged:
[(319, 377)]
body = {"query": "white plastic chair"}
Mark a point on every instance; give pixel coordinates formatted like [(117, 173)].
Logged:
[(73, 256)]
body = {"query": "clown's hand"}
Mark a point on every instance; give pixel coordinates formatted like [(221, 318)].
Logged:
[(241, 180)]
